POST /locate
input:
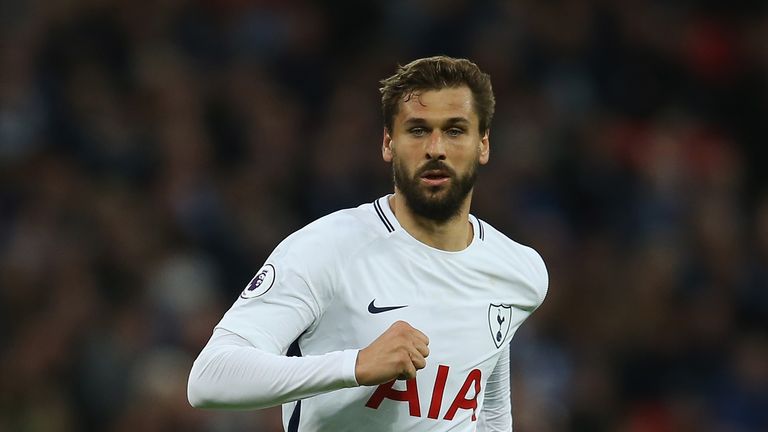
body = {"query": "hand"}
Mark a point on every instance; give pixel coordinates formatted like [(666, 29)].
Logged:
[(397, 354)]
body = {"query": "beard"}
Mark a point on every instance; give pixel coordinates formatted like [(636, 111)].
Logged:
[(433, 202)]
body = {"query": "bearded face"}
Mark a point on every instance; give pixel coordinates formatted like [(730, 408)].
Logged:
[(435, 147), (439, 199)]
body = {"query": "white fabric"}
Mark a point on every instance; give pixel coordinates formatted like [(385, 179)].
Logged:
[(328, 286), (496, 415), (232, 373)]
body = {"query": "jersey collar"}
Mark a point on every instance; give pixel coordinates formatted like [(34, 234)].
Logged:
[(390, 223)]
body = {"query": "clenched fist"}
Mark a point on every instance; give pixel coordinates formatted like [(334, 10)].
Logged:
[(397, 354)]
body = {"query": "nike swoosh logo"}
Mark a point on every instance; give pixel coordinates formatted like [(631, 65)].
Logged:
[(374, 310)]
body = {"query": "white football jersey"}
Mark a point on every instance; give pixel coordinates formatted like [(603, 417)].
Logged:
[(340, 282)]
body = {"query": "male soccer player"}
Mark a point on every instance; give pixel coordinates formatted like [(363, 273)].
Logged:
[(395, 315)]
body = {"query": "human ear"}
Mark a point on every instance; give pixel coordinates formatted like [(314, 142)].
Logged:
[(386, 147), (485, 148)]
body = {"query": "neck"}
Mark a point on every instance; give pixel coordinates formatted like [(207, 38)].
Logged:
[(452, 235)]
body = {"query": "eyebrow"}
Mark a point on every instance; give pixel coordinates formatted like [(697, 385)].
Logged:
[(453, 121)]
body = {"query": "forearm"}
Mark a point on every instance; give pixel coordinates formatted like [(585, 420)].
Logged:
[(231, 373), (496, 415)]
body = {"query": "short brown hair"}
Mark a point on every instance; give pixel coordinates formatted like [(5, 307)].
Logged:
[(435, 73)]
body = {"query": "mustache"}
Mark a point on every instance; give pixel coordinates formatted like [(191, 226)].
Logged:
[(435, 164)]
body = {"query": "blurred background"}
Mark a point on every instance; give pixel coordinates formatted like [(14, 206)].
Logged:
[(152, 154)]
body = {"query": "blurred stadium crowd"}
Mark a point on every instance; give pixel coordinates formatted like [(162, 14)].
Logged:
[(153, 153)]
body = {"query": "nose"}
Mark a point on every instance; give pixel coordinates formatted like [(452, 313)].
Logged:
[(435, 146)]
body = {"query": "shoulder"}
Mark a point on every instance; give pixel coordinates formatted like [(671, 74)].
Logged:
[(522, 258), (337, 234), (316, 254)]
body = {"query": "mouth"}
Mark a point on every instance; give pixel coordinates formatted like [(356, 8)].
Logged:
[(435, 177)]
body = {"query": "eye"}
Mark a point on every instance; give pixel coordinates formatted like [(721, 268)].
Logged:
[(417, 131), (454, 132)]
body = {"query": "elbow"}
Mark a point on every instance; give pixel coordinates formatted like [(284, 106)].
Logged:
[(195, 395), (198, 393), (201, 396)]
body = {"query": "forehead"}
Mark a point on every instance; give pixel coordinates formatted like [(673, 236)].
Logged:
[(437, 104)]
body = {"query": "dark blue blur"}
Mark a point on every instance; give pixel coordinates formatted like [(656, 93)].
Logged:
[(152, 154)]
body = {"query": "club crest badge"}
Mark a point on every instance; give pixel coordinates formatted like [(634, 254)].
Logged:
[(261, 283), (499, 320)]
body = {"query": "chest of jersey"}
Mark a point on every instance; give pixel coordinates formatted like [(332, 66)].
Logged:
[(463, 303)]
